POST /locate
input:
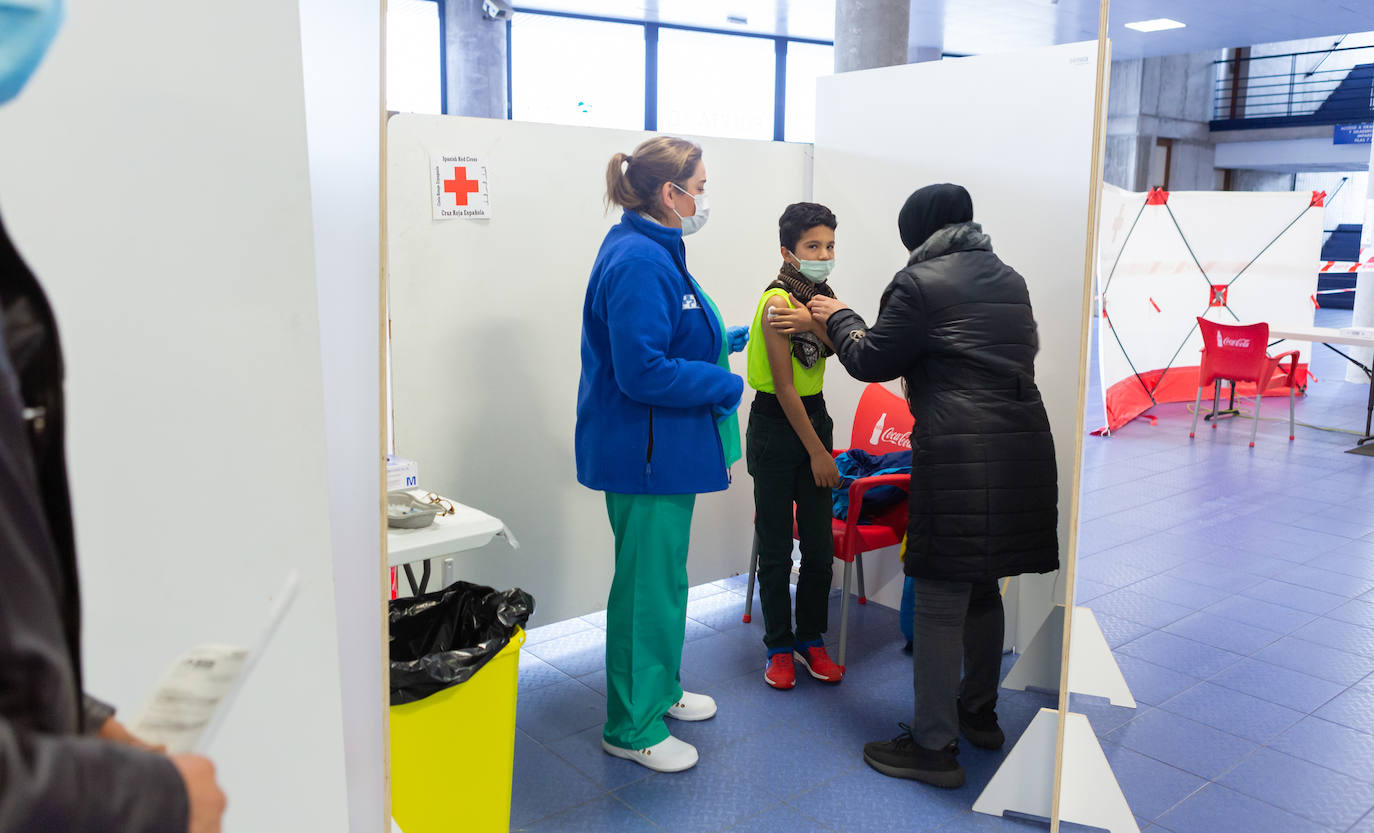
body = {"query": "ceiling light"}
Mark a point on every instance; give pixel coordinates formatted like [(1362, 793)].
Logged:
[(1159, 24)]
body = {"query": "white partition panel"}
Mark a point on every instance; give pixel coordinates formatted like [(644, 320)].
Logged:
[(1016, 130), (155, 177), (341, 46), (1160, 258), (486, 319)]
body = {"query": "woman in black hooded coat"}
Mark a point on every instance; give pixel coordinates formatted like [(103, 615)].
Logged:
[(956, 326)]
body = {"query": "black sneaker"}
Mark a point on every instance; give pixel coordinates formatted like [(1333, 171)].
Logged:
[(907, 648), (981, 728), (902, 757)]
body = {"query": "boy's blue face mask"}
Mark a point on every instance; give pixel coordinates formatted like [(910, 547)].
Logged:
[(27, 29)]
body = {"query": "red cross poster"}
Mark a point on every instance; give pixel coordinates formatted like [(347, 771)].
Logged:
[(459, 187)]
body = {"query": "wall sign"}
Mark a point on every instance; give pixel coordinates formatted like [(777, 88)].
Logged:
[(458, 187), (1352, 134)]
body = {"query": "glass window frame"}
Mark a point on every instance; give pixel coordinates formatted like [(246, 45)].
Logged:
[(651, 30), (513, 42), (443, 69)]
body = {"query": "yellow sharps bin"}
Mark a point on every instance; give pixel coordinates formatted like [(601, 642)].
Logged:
[(453, 753)]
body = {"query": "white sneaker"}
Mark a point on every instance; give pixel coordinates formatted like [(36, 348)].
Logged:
[(671, 755), (693, 707)]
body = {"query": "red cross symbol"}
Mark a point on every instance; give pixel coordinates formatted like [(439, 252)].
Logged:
[(460, 186)]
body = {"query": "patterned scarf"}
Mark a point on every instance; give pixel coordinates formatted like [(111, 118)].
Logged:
[(806, 347)]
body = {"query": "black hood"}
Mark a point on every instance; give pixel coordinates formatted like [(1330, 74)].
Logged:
[(930, 209)]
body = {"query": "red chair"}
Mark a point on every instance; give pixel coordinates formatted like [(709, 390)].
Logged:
[(1240, 354), (882, 425)]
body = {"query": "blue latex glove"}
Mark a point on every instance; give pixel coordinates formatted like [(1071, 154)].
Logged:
[(722, 411), (737, 337)]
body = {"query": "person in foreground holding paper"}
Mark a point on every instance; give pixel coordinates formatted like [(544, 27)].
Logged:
[(956, 326), (66, 766)]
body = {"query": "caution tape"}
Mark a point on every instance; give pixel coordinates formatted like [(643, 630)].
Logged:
[(1345, 266), (1365, 262)]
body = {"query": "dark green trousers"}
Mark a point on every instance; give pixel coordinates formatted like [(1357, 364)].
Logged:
[(781, 469)]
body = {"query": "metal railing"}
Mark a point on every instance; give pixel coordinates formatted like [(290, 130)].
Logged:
[(1329, 86)]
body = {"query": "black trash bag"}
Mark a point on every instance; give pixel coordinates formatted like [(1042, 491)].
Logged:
[(440, 639)]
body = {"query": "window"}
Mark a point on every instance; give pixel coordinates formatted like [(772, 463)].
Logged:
[(715, 85), (570, 71), (805, 63), (412, 56)]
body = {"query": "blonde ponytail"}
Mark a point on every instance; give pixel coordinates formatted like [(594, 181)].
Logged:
[(633, 181), (619, 191)]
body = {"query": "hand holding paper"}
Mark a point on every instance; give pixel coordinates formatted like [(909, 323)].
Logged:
[(190, 702)]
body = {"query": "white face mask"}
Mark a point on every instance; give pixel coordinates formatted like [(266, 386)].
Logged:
[(693, 224)]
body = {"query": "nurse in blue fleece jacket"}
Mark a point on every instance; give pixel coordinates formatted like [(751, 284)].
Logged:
[(656, 426)]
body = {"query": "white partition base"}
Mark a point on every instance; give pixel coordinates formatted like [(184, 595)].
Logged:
[(1024, 784), (1092, 668)]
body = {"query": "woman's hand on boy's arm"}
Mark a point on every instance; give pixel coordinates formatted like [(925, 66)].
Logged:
[(823, 306)]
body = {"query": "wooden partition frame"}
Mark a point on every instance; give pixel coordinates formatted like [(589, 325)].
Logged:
[(1070, 565), (383, 438)]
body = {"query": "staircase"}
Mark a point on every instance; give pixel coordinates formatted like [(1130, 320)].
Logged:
[(1344, 246)]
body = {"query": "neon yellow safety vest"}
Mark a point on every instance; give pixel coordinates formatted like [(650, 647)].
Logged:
[(807, 381)]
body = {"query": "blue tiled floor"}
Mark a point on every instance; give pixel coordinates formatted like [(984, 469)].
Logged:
[(770, 760), (1247, 573), (1235, 586)]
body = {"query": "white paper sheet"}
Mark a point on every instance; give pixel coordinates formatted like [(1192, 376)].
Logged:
[(189, 704)]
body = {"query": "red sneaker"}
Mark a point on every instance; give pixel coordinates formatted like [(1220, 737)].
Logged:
[(817, 662), (780, 674)]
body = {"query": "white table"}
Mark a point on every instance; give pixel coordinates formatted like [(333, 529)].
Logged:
[(465, 529), (1328, 336)]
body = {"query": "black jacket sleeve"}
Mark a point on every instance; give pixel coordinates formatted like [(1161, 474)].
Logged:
[(52, 778), (85, 785), (96, 712), (886, 350)]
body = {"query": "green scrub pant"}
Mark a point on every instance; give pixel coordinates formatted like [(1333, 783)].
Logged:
[(646, 615)]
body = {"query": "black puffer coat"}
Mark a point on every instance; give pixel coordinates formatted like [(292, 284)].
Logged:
[(956, 325)]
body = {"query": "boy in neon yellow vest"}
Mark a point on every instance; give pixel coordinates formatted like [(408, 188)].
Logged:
[(788, 449)]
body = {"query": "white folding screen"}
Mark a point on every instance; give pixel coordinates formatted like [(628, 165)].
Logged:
[(156, 178), (1166, 258), (486, 321), (1016, 130)]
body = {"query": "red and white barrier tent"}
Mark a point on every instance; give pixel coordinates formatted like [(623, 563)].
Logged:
[(1165, 258)]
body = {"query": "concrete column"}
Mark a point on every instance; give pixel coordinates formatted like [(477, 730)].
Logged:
[(1161, 98), (870, 33), (476, 56)]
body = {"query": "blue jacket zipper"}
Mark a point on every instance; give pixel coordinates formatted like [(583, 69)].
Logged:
[(649, 454)]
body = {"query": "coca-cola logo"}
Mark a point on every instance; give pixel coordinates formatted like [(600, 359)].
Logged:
[(1238, 343), (897, 438), (891, 435)]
